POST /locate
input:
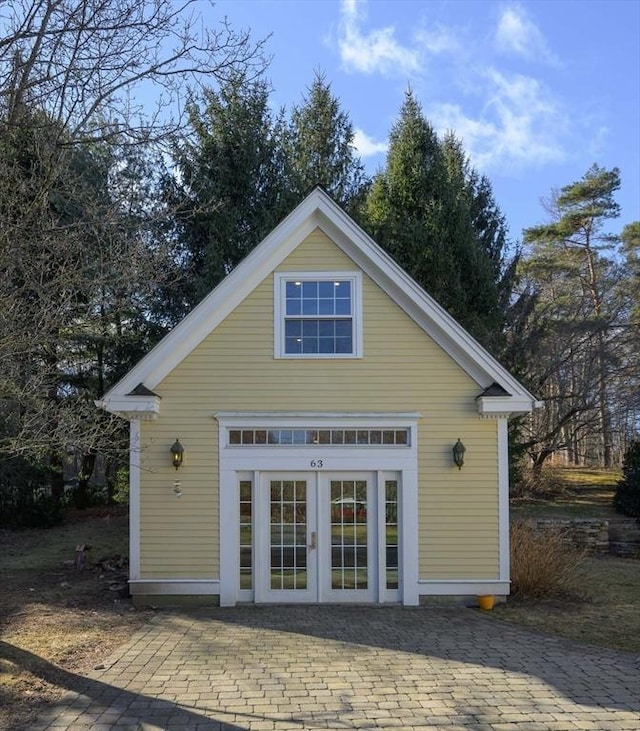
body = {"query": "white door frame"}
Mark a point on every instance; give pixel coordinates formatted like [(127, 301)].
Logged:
[(237, 462), (325, 591), (262, 541), (318, 541)]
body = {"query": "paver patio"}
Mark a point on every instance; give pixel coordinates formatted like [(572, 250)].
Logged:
[(323, 667)]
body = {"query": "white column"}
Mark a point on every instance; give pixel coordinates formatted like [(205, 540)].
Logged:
[(134, 499), (409, 542), (503, 499)]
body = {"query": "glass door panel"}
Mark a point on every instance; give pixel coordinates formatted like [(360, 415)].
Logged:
[(246, 535), (286, 563), (319, 540), (347, 528), (391, 533), (349, 534), (288, 539)]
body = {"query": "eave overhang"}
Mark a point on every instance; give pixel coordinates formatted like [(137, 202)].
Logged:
[(496, 402), (504, 406), (140, 404)]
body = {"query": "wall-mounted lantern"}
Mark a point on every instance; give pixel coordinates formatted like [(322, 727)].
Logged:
[(458, 454), (177, 453)]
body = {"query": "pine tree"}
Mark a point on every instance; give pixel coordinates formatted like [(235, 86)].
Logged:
[(437, 217), (576, 283), (320, 148), (232, 186)]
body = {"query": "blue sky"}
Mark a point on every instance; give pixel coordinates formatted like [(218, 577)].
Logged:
[(537, 91)]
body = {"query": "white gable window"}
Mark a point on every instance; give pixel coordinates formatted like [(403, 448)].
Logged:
[(318, 315)]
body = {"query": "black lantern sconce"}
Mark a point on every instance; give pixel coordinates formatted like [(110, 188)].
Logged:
[(458, 454), (177, 453)]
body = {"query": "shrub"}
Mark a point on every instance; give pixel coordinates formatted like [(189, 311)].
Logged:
[(627, 496), (120, 487), (545, 484), (542, 563), (25, 495)]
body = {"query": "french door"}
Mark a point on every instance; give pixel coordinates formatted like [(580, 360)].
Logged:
[(316, 537)]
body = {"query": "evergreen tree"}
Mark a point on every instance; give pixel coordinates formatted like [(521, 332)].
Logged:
[(320, 148), (579, 303), (231, 189), (630, 238), (627, 496), (437, 217), (629, 379)]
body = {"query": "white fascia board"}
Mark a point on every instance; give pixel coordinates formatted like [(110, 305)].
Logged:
[(131, 407), (214, 308), (475, 360), (505, 405)]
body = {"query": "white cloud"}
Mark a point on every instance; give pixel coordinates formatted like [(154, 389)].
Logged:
[(376, 51), (521, 125), (439, 41), (367, 146), (507, 121), (518, 34)]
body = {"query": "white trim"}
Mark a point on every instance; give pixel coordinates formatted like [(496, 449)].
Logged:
[(292, 458), (402, 461), (420, 306), (131, 407), (280, 280), (215, 307), (318, 210), (134, 500), (501, 406), (338, 419), (175, 587), (410, 540), (229, 536), (503, 499), (384, 594), (458, 587)]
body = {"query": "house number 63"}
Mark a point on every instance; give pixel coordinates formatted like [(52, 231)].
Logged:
[(317, 464)]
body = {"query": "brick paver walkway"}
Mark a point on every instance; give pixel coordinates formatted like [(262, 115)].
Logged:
[(351, 668)]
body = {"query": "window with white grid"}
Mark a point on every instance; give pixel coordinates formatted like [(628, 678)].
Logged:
[(318, 315)]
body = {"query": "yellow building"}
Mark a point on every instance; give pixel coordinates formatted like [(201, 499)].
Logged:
[(317, 394)]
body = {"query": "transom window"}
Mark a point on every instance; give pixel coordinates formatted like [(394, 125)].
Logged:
[(318, 315), (335, 437)]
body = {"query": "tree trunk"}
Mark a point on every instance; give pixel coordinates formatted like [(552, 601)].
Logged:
[(82, 494)]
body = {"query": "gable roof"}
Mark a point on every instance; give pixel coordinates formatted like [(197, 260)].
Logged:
[(318, 210)]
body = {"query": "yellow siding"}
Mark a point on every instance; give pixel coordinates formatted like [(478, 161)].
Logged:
[(402, 370)]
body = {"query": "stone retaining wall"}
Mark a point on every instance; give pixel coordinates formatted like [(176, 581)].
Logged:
[(624, 538), (618, 537)]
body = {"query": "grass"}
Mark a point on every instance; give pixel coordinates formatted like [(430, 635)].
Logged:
[(574, 493), (36, 549), (607, 613), (53, 618), (601, 603)]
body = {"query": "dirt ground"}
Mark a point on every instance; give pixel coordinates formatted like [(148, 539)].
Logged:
[(54, 616)]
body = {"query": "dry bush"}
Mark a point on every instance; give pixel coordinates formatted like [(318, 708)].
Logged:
[(546, 484), (543, 564)]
